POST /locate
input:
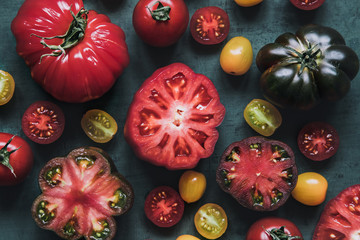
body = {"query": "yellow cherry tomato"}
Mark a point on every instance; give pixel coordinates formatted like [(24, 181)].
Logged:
[(192, 186), (247, 3), (187, 237), (7, 87), (310, 189), (236, 57), (99, 125)]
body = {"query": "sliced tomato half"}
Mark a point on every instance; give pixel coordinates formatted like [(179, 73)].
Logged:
[(173, 118), (340, 218)]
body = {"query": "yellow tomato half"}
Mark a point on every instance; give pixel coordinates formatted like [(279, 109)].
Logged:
[(310, 189), (247, 3), (7, 87), (236, 57), (187, 237), (192, 186)]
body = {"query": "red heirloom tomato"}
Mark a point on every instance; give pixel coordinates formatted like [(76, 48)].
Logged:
[(259, 173), (209, 25), (340, 218), (80, 194), (16, 159), (160, 23), (307, 4), (270, 228), (74, 54), (173, 117)]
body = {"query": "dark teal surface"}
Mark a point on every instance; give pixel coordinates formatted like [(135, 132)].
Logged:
[(261, 25)]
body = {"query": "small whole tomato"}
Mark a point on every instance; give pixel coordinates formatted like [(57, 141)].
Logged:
[(160, 23), (270, 228), (247, 3), (310, 189), (192, 186), (236, 57), (16, 159), (187, 237)]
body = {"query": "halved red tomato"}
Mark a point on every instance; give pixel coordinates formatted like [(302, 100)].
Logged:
[(164, 206), (43, 122), (173, 118), (209, 25), (318, 141), (340, 218), (307, 4)]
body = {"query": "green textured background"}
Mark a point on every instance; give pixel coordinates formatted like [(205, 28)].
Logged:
[(260, 24)]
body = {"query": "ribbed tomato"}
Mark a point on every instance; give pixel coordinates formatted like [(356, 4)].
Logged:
[(74, 54)]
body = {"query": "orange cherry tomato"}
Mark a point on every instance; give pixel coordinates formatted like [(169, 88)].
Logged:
[(236, 57), (248, 3), (310, 189), (192, 186), (7, 87), (187, 237)]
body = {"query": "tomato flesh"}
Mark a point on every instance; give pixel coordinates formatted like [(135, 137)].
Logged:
[(211, 221), (98, 125), (307, 4), (7, 87), (259, 173), (318, 141), (80, 196), (164, 206), (262, 116), (210, 25), (340, 218), (43, 122), (173, 118)]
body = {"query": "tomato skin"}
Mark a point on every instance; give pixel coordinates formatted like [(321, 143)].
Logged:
[(247, 3), (21, 160), (88, 69), (310, 189), (262, 116), (192, 186), (236, 57), (307, 5), (187, 237), (257, 229), (160, 33), (9, 87)]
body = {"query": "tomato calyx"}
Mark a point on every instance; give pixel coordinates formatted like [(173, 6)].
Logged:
[(73, 36), (5, 156), (280, 234), (306, 58), (161, 13)]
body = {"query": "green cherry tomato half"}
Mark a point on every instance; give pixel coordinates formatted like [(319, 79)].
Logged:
[(192, 186), (7, 87), (310, 189), (262, 116), (211, 221)]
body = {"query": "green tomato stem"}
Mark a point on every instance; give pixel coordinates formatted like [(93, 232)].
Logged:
[(5, 156), (161, 13)]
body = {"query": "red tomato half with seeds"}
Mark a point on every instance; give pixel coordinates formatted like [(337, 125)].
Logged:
[(340, 218), (259, 173), (173, 117), (318, 141), (307, 4), (43, 122), (210, 25), (160, 23), (164, 206)]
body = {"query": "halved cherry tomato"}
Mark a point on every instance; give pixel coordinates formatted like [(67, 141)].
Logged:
[(7, 87), (187, 237), (98, 125), (164, 206), (247, 3), (192, 186), (262, 116), (236, 57), (307, 4), (318, 141), (310, 189), (43, 122), (211, 221), (209, 25)]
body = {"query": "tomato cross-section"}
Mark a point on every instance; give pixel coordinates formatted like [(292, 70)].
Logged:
[(173, 118)]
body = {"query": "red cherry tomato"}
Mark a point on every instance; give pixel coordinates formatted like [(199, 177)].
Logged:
[(160, 23), (307, 4), (43, 122), (210, 25), (270, 228), (16, 159), (164, 206)]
